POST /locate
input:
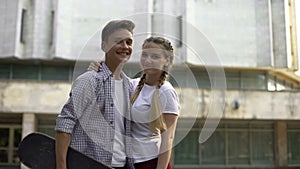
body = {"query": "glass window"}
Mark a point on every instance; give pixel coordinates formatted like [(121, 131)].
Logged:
[(237, 126), (293, 144), (253, 80), (272, 83), (4, 132), (280, 85), (238, 147), (23, 22), (16, 159), (3, 156), (173, 81), (17, 136), (187, 151), (241, 79), (46, 124), (213, 150), (293, 147), (202, 78), (288, 86), (58, 73), (33, 71), (9, 142), (232, 143), (262, 147), (233, 80), (25, 72), (17, 139), (4, 71), (4, 144)]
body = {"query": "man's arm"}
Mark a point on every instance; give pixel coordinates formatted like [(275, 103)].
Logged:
[(81, 95), (61, 148)]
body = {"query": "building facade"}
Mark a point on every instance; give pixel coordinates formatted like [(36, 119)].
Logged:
[(234, 71)]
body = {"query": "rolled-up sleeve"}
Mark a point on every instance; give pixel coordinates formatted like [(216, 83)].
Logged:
[(81, 95)]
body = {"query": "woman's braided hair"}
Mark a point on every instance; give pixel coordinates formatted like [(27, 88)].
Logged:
[(157, 121)]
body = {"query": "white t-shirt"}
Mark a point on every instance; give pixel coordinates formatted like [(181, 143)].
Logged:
[(118, 159), (146, 144)]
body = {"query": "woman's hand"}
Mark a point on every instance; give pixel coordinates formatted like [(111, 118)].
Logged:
[(95, 65)]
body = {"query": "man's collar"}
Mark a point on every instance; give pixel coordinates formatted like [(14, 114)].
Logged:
[(106, 71)]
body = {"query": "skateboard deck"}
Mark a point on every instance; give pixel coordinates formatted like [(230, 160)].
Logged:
[(37, 151)]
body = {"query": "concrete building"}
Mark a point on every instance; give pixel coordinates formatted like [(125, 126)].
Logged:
[(235, 73)]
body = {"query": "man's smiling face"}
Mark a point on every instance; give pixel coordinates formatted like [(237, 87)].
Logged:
[(118, 46)]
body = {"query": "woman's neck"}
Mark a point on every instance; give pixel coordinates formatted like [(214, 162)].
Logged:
[(152, 80)]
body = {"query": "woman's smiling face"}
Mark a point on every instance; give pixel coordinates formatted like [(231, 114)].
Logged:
[(153, 58)]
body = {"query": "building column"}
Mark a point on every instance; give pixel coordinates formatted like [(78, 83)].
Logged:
[(28, 126), (281, 144)]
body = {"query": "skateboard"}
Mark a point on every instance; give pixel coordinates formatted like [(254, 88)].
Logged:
[(37, 151)]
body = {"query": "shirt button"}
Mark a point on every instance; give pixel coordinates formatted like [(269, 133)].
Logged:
[(111, 122), (111, 105)]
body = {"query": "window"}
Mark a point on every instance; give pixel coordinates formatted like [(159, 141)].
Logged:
[(52, 28), (293, 143), (232, 143), (29, 72), (179, 77), (264, 153), (253, 80), (202, 78), (213, 150), (233, 80), (4, 142), (5, 71), (180, 39), (32, 71), (173, 81), (187, 150), (57, 73), (46, 124), (23, 22), (238, 146), (272, 83), (10, 137), (9, 142)]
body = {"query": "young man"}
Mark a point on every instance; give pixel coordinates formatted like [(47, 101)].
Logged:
[(96, 118)]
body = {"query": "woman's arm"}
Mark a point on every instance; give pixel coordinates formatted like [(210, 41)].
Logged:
[(167, 138), (95, 65)]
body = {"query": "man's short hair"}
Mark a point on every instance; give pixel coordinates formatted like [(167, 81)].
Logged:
[(114, 25)]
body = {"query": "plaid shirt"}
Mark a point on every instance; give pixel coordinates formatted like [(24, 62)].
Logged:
[(89, 115)]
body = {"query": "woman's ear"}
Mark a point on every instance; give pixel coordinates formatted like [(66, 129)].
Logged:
[(103, 46)]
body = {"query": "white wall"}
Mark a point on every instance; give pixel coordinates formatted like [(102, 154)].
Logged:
[(8, 31), (79, 25), (239, 30)]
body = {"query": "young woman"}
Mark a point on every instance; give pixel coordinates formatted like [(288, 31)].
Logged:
[(155, 106)]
